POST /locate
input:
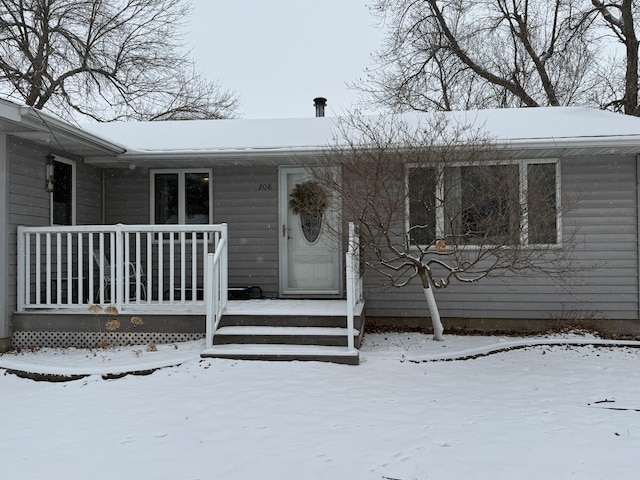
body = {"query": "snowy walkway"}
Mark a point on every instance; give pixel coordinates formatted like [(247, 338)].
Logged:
[(408, 346)]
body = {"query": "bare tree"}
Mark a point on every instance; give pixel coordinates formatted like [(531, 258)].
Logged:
[(457, 54), (116, 59), (439, 202), (619, 78)]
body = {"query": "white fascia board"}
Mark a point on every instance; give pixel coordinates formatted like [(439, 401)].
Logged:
[(613, 142), (258, 155)]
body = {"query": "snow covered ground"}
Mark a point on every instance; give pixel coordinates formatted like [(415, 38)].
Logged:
[(534, 412)]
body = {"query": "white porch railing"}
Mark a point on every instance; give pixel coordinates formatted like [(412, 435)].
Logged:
[(216, 289), (355, 296), (121, 265)]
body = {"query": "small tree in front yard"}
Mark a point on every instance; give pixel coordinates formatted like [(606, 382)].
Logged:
[(437, 201)]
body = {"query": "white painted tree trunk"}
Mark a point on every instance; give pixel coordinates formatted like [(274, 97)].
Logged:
[(438, 329)]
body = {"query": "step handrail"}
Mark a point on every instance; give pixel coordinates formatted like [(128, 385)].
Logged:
[(354, 282), (215, 288)]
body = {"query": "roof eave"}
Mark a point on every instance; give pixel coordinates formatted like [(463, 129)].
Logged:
[(48, 124), (270, 156)]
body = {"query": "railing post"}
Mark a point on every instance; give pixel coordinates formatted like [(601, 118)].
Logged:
[(209, 300), (22, 263), (224, 281), (119, 264), (350, 342), (47, 267), (350, 287)]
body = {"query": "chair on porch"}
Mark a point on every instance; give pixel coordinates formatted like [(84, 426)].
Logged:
[(134, 284)]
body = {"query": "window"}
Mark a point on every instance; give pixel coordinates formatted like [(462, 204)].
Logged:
[(500, 204), (481, 204), (62, 201), (422, 205), (181, 197), (541, 202)]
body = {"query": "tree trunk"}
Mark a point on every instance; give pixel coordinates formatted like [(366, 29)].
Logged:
[(631, 44), (435, 314)]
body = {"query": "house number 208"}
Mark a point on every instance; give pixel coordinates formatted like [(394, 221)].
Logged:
[(264, 186)]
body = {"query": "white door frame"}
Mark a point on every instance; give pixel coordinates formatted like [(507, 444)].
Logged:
[(283, 254)]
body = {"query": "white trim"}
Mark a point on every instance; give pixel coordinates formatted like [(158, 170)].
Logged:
[(283, 230), (66, 161), (180, 172), (523, 199), (533, 161)]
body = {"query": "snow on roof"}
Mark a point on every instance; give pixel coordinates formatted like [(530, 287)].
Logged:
[(218, 135), (535, 126)]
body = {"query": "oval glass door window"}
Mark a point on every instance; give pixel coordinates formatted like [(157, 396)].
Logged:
[(311, 224)]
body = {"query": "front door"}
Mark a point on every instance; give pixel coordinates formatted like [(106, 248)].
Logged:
[(310, 249)]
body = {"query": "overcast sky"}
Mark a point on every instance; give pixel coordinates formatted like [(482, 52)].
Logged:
[(277, 55)]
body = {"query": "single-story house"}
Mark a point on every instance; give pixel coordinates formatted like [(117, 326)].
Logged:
[(148, 216)]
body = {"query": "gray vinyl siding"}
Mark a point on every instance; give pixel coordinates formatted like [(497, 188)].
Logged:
[(127, 196), (88, 195), (602, 217), (28, 199), (250, 212)]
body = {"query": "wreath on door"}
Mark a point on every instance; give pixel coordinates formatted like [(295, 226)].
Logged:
[(309, 201)]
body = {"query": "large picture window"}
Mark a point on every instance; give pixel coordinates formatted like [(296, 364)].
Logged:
[(499, 204), (181, 197)]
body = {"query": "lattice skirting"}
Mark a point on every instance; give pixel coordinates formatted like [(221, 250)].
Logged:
[(26, 340)]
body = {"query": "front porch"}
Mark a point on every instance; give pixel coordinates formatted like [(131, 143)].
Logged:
[(175, 279)]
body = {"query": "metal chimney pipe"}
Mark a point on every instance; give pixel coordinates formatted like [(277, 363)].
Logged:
[(320, 103)]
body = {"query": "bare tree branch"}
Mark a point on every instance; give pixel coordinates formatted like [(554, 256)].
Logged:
[(623, 27), (121, 59), (461, 54), (436, 201)]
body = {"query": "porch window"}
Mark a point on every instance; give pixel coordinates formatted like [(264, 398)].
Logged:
[(62, 198), (181, 197), (503, 204)]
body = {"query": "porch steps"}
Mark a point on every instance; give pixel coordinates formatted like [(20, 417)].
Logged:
[(328, 336), (284, 352), (287, 330)]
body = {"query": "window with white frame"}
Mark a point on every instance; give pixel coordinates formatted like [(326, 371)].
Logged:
[(181, 197), (62, 200), (502, 204)]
